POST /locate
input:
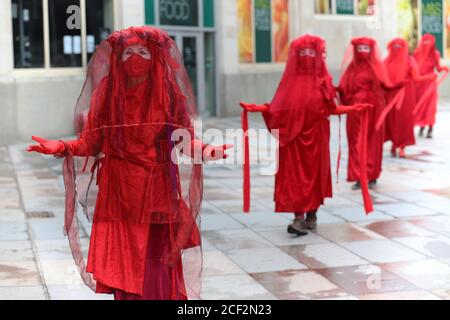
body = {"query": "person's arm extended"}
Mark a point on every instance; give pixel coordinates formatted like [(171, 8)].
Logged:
[(415, 73), (194, 148), (386, 87), (255, 107), (359, 107), (81, 147)]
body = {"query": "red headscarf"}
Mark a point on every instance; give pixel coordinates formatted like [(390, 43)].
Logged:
[(305, 81), (426, 51), (355, 60), (398, 62)]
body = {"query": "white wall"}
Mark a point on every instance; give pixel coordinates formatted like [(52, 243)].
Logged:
[(129, 13), (6, 41)]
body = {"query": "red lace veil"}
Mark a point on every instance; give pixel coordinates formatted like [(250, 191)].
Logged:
[(305, 81), (154, 185), (398, 61), (426, 51), (353, 60)]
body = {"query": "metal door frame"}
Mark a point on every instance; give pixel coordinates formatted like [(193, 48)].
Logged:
[(200, 47)]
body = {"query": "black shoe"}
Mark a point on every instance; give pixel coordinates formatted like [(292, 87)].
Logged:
[(356, 186), (430, 133), (298, 227), (311, 220), (372, 184), (422, 130)]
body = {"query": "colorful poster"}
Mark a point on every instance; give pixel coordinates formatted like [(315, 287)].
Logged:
[(432, 16), (407, 17), (366, 7), (322, 6), (245, 31), (281, 29), (345, 7), (263, 31), (447, 27)]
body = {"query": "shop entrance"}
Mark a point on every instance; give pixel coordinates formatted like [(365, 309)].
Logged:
[(191, 46)]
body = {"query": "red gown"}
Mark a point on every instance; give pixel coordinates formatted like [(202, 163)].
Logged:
[(400, 123), (361, 84), (144, 217), (300, 110), (428, 60), (366, 90), (303, 180), (298, 117)]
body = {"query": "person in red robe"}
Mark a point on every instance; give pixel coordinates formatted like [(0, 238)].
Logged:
[(300, 112), (364, 81), (134, 122), (400, 122), (428, 58)]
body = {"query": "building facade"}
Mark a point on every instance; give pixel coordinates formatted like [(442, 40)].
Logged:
[(233, 49)]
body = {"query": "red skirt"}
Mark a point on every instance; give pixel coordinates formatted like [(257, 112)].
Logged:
[(375, 141), (427, 115), (126, 259), (400, 123), (303, 180)]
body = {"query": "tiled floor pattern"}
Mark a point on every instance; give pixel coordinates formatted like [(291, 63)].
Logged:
[(402, 251)]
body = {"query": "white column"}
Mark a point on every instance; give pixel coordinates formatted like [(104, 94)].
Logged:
[(131, 13), (6, 41), (227, 35)]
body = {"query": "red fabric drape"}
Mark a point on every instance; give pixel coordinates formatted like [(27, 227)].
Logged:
[(247, 182), (136, 181), (428, 60)]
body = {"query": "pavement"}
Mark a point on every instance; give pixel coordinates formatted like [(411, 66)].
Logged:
[(402, 251)]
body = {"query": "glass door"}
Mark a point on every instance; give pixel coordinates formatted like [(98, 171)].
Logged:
[(191, 46)]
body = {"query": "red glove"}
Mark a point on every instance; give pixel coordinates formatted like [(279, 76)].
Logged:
[(443, 68), (50, 147), (360, 107), (254, 107), (212, 153)]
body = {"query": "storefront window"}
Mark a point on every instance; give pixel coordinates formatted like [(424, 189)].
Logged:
[(350, 7), (65, 33), (28, 33), (178, 12), (99, 23), (62, 46)]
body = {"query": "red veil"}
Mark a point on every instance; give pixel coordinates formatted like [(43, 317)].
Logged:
[(352, 61), (305, 80), (125, 166), (426, 53)]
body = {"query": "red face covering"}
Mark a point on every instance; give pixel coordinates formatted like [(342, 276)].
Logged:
[(136, 66), (306, 65)]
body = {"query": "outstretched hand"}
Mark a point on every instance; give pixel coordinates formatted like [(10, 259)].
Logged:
[(212, 153), (360, 107), (253, 107), (49, 147)]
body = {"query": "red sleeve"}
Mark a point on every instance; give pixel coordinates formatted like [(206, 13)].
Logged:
[(90, 141)]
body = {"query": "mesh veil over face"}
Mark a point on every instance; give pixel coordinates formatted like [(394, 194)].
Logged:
[(305, 82), (126, 165)]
